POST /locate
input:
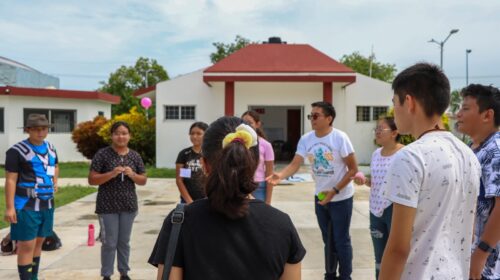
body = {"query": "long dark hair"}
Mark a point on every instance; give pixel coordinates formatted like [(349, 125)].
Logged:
[(232, 169), (256, 117)]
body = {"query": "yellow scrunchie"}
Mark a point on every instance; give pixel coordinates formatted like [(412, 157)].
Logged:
[(244, 133)]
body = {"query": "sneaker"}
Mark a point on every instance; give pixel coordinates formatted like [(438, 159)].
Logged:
[(125, 277)]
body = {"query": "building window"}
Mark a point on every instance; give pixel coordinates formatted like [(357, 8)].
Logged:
[(2, 126), (171, 112), (100, 114), (180, 112), (187, 113), (378, 111), (363, 113), (63, 121)]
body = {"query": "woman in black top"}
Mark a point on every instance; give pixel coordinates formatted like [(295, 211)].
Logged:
[(116, 169), (188, 173), (230, 235)]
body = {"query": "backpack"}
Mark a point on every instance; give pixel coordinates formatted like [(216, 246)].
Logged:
[(8, 246), (52, 242)]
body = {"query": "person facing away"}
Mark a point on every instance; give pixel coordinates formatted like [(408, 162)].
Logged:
[(387, 137), (333, 163), (479, 118), (433, 184), (189, 175), (30, 182), (116, 169), (230, 235), (265, 168)]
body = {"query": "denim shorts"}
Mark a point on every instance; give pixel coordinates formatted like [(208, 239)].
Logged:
[(32, 224)]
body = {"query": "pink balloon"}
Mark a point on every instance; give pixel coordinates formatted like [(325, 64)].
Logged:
[(146, 102)]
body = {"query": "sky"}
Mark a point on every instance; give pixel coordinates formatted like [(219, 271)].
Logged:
[(82, 42)]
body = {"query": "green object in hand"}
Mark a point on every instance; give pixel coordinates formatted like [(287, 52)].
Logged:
[(321, 195)]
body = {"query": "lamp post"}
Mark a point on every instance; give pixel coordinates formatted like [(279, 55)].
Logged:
[(147, 72), (467, 52), (441, 44)]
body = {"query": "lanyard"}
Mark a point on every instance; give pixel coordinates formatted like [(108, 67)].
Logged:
[(436, 128)]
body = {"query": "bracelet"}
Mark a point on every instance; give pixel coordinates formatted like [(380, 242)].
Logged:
[(336, 190), (485, 247)]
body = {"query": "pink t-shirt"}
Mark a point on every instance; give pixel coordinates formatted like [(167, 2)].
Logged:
[(266, 154)]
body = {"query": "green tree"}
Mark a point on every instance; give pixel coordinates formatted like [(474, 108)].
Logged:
[(455, 102), (127, 79), (361, 64), (223, 50)]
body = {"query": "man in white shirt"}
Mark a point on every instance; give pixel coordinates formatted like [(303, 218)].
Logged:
[(433, 184), (333, 163)]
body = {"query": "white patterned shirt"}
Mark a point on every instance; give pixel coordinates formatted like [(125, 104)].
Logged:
[(439, 176), (379, 166)]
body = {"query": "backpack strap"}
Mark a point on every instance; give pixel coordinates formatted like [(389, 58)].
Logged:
[(177, 219)]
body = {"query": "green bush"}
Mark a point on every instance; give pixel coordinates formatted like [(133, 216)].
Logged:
[(88, 142)]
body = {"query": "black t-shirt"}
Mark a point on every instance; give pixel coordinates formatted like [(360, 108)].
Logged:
[(191, 160), (211, 246), (115, 195)]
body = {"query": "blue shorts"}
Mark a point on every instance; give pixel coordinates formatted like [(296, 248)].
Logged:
[(32, 224)]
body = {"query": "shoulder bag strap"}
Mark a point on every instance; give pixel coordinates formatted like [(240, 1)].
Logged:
[(176, 220)]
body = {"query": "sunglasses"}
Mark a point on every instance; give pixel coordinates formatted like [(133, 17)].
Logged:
[(314, 116)]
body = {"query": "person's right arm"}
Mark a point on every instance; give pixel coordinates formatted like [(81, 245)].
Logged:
[(10, 191), (288, 171), (180, 184), (292, 272)]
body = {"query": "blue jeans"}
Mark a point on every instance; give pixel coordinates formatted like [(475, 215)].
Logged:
[(338, 249), (260, 191), (379, 229)]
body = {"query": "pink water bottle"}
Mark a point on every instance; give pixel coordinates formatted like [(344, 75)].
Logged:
[(91, 240)]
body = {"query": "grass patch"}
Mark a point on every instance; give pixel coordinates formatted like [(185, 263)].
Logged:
[(81, 170), (63, 196)]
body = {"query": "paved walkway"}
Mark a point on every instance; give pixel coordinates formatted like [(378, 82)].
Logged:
[(77, 261)]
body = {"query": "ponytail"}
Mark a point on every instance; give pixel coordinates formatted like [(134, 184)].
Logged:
[(232, 169)]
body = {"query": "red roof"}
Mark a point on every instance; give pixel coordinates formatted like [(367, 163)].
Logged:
[(142, 91), (59, 93), (278, 58)]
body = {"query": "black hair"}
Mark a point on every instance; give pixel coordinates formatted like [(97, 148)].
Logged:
[(256, 117), (427, 84), (232, 169), (327, 108), (392, 125), (117, 124), (487, 97), (201, 125)]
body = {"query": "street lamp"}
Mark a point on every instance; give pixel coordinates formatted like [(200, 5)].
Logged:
[(441, 44), (467, 52), (147, 72)]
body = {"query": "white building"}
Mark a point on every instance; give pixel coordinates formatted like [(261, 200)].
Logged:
[(280, 81), (63, 108)]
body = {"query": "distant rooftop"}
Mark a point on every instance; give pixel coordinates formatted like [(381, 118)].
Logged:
[(5, 60)]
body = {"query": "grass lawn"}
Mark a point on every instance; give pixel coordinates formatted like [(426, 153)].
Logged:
[(63, 196), (81, 170)]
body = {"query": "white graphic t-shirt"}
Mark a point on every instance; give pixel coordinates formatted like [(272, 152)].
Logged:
[(439, 176), (379, 166), (326, 155)]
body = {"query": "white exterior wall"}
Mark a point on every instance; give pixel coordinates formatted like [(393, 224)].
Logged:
[(365, 92), (172, 135), (14, 109)]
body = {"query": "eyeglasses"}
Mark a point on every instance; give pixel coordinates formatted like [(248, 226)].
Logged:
[(379, 129), (314, 116)]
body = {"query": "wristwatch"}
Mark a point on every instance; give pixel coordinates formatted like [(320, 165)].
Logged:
[(336, 190), (485, 247)]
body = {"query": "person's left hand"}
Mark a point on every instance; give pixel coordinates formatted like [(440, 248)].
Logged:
[(128, 171), (477, 263), (329, 196)]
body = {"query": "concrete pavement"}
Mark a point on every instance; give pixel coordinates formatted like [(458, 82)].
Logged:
[(75, 260)]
